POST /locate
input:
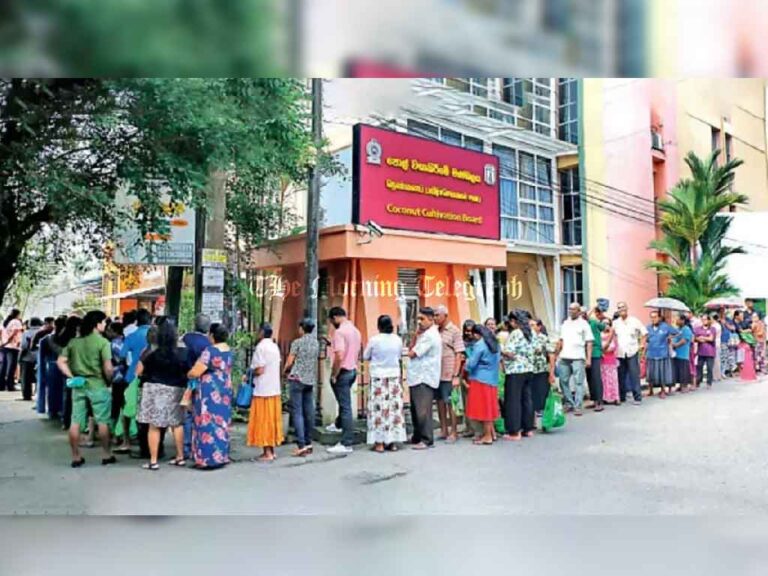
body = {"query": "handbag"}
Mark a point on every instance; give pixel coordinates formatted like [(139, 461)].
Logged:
[(554, 415), (75, 382), (131, 399), (245, 392)]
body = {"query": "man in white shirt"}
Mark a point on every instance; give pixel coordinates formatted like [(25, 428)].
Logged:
[(574, 353), (424, 378), (631, 336)]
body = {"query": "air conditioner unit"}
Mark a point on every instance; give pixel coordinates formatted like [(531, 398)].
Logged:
[(657, 142)]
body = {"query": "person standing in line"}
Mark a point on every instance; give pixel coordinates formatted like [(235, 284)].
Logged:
[(610, 365), (424, 378), (130, 323), (490, 323), (63, 394), (542, 368), (89, 357), (346, 345), (9, 350), (114, 334), (46, 356), (265, 423), (301, 370), (706, 338), (28, 360), (386, 421), (517, 356), (450, 373), (574, 353), (659, 370), (135, 342), (594, 372), (195, 343), (212, 402), (694, 322), (164, 378), (469, 341), (758, 331), (483, 374), (727, 358), (681, 344), (718, 374), (631, 337)]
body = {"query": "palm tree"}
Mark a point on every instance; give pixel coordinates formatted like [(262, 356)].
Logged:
[(694, 204), (694, 228)]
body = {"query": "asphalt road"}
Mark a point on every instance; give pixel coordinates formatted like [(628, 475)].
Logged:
[(703, 453)]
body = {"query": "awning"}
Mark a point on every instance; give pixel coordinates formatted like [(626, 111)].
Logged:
[(148, 291)]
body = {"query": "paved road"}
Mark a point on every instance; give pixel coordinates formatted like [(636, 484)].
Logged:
[(702, 453)]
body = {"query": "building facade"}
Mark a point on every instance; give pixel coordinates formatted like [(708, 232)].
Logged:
[(635, 136)]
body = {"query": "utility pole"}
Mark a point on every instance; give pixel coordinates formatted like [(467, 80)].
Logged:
[(313, 205)]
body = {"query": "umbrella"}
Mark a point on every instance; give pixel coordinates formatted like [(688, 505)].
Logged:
[(729, 302), (667, 304)]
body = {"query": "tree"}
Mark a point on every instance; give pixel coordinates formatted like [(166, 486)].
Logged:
[(694, 227), (67, 145)]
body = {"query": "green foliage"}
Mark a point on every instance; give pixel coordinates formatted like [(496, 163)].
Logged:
[(68, 145), (694, 228), (110, 38), (187, 310), (86, 304)]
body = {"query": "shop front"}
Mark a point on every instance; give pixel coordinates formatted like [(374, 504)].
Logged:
[(424, 230)]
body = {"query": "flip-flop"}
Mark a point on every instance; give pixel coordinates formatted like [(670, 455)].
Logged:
[(178, 462), (108, 461), (77, 463), (154, 467), (391, 448), (482, 442)]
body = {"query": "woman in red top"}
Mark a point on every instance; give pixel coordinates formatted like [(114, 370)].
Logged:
[(9, 350)]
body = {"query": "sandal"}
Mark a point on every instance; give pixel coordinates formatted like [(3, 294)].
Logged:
[(391, 448), (299, 452), (78, 463), (181, 462), (108, 461), (481, 442), (269, 459), (378, 449), (154, 466)]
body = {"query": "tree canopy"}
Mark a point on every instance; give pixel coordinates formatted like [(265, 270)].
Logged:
[(68, 145), (694, 227)]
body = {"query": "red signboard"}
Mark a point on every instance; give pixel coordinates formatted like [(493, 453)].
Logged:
[(411, 183)]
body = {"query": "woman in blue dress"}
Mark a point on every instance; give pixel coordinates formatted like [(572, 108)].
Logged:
[(212, 402)]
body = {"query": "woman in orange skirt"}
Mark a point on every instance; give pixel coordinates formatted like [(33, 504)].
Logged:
[(265, 424), (482, 369)]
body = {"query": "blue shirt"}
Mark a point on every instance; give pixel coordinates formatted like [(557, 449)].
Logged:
[(483, 365), (133, 346), (725, 335), (196, 343), (683, 352), (658, 340)]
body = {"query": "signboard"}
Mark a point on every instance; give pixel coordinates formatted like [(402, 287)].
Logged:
[(213, 278), (212, 304), (174, 247), (214, 258), (411, 183)]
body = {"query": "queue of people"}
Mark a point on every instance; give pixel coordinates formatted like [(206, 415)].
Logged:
[(494, 377)]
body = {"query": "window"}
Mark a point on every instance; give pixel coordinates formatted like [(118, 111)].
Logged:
[(728, 147), (512, 91), (568, 110), (408, 280), (716, 142), (571, 195), (423, 129), (500, 293), (434, 132), (476, 86), (527, 198), (573, 286)]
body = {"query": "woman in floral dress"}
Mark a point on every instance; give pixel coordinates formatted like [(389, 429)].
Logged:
[(609, 369), (212, 402), (517, 355), (386, 421), (541, 361)]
